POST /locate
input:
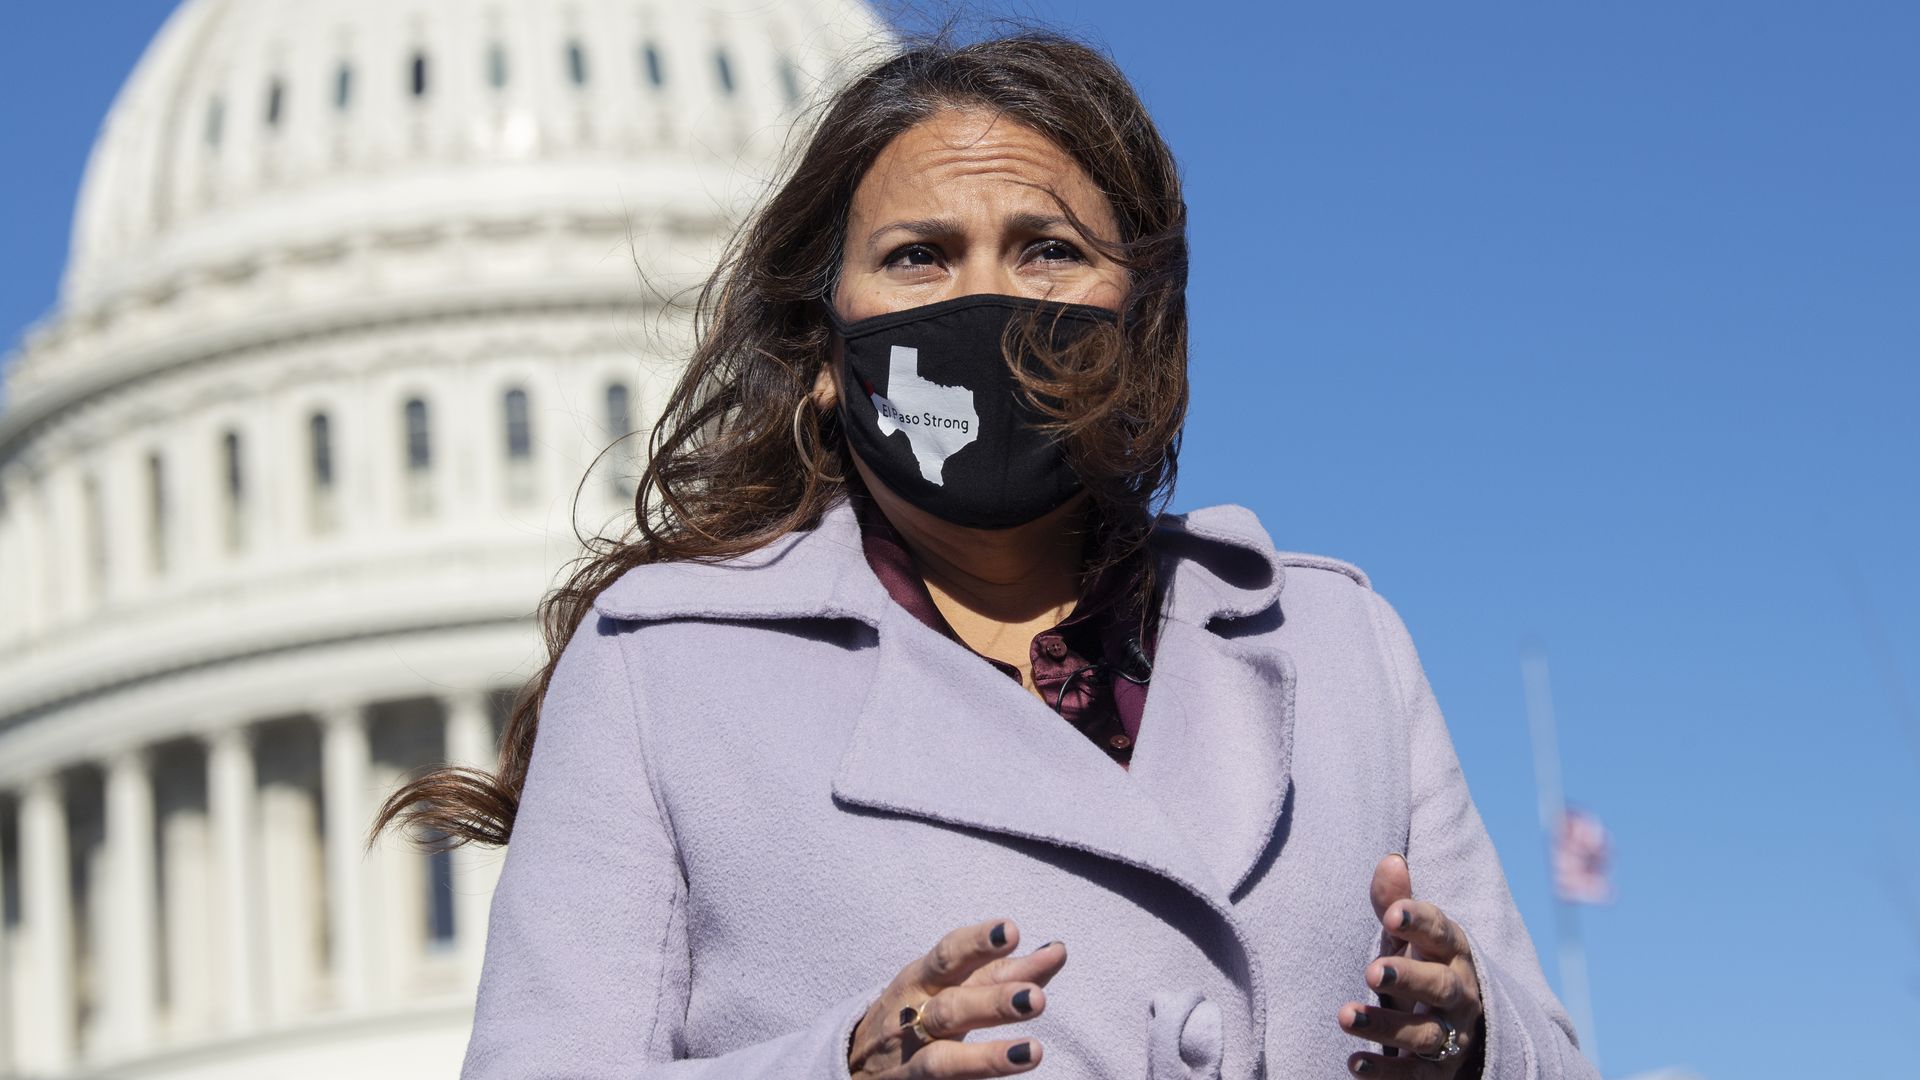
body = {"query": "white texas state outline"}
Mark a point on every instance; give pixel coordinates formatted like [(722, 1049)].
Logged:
[(938, 420)]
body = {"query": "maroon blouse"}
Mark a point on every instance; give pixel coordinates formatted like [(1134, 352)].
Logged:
[(1090, 668)]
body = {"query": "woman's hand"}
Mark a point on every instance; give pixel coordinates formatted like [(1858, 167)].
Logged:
[(967, 981), (1432, 972)]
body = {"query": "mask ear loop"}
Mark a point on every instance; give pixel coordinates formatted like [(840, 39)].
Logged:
[(806, 456)]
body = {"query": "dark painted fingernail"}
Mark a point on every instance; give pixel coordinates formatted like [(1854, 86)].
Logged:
[(1387, 975), (1047, 946), (1363, 1066), (999, 935), (1406, 918), (906, 1015), (1020, 1053), (1023, 1001), (1360, 1018)]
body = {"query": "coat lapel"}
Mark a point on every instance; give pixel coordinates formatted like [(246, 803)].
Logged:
[(1216, 745), (945, 737)]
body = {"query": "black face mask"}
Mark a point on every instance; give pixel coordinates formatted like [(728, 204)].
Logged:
[(931, 405)]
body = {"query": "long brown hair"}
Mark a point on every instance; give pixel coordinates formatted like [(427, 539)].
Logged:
[(726, 473)]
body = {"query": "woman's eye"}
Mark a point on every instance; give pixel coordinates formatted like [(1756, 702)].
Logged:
[(1055, 251), (913, 255)]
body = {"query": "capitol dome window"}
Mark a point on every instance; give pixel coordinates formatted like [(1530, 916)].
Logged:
[(619, 420), (214, 116), (519, 447), (235, 491), (789, 81), (496, 65), (440, 913), (419, 74), (322, 504), (156, 515), (576, 64), (94, 505), (418, 444), (619, 410), (419, 460), (519, 430), (343, 87), (276, 95), (651, 63), (723, 70)]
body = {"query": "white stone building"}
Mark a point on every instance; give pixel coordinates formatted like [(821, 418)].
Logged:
[(351, 308)]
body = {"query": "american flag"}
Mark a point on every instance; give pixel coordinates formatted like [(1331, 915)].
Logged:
[(1581, 855)]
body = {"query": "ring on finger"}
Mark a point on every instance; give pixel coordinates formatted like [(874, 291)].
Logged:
[(918, 1024), (1450, 1047)]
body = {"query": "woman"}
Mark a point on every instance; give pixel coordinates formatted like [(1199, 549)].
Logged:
[(899, 539)]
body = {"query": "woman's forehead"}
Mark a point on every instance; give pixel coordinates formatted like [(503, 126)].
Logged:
[(968, 165)]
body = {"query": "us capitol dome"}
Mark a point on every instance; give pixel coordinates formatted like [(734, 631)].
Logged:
[(358, 293)]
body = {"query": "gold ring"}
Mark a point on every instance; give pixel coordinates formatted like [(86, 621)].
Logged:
[(918, 1026)]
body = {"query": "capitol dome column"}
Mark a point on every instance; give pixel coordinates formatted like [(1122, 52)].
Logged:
[(470, 742), (132, 960), (344, 760), (230, 805), (47, 1027)]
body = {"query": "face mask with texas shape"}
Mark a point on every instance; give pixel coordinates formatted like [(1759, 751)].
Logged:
[(932, 407)]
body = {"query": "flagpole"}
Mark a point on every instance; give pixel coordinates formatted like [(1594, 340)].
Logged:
[(1553, 805)]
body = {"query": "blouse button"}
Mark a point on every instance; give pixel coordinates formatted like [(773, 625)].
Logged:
[(1119, 742), (1054, 647)]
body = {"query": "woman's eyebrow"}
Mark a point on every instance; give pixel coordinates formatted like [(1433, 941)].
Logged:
[(922, 228), (1031, 222), (1020, 221)]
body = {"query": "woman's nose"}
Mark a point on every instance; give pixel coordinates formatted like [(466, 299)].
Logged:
[(983, 275), (1183, 1036)]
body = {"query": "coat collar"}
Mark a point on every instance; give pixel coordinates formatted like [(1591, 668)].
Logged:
[(1218, 563), (1210, 772)]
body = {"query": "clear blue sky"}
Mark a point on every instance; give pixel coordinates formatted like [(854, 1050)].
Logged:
[(1592, 323)]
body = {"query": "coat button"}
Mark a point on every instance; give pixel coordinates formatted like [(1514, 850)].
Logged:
[(1054, 648), (1119, 742), (1185, 1036)]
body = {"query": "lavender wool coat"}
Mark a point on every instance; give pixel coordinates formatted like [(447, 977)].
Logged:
[(761, 787)]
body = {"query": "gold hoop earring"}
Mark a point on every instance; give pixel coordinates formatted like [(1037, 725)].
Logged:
[(805, 457)]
